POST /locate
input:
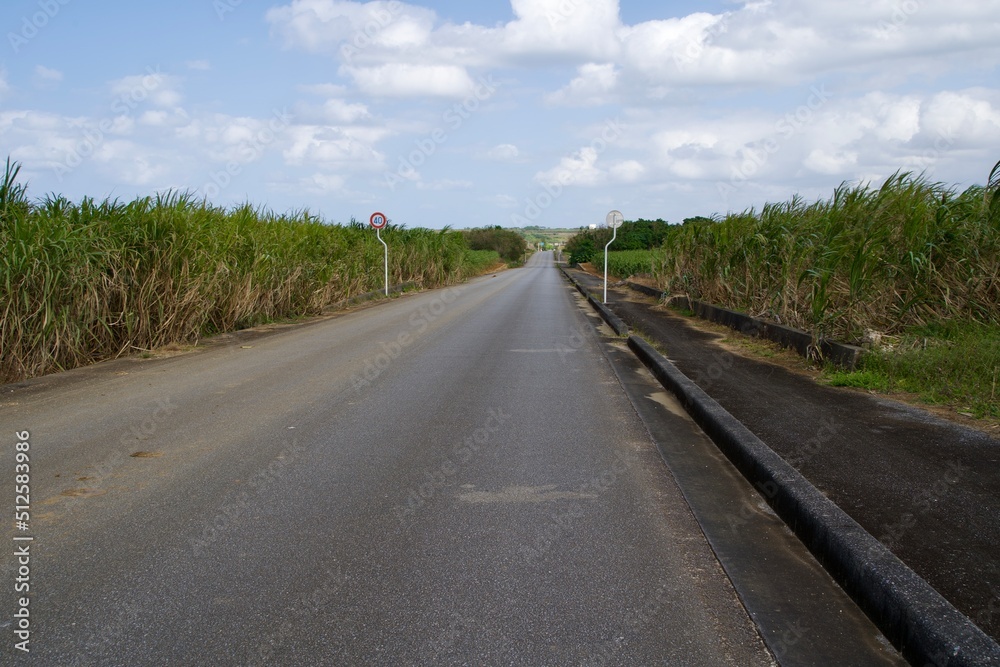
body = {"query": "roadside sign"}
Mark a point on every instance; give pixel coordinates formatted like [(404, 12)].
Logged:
[(378, 221), (614, 220)]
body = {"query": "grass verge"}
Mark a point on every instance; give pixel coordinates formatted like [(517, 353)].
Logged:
[(85, 281), (954, 365)]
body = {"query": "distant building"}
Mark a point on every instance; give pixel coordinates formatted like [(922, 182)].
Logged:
[(593, 226)]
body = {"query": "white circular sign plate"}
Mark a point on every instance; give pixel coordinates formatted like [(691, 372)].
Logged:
[(615, 219)]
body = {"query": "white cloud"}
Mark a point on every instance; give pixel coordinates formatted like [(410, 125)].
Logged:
[(395, 49), (199, 65), (324, 89), (594, 86), (339, 111), (502, 201), (577, 169), (164, 118), (445, 184), (627, 171), (582, 28), (831, 163), (503, 153), (333, 147), (351, 28), (405, 80), (153, 88), (967, 118), (48, 75), (322, 183)]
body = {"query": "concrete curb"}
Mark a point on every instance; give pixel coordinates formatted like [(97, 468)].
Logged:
[(919, 621), (646, 289), (841, 354), (922, 624), (613, 320)]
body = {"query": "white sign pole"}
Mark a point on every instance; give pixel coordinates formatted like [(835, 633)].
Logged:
[(378, 234), (614, 220), (378, 221)]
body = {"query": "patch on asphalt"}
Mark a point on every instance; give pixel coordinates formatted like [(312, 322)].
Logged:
[(146, 455), (523, 494), (83, 493)]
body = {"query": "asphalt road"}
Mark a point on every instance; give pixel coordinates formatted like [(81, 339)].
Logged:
[(453, 477)]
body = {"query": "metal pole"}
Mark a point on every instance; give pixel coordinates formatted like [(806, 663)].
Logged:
[(613, 237), (378, 234)]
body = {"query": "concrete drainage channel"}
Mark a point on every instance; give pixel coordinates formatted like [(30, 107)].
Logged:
[(921, 623)]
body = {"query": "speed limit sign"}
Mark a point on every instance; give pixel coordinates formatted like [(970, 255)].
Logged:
[(378, 220)]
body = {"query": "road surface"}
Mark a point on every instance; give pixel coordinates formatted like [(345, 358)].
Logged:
[(452, 477)]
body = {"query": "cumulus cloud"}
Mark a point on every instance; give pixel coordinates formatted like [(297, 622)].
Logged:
[(445, 184), (502, 201), (594, 86), (627, 171), (321, 183), (349, 29), (324, 89), (338, 111), (333, 147), (577, 169), (779, 42), (48, 75), (503, 153), (405, 80), (151, 88)]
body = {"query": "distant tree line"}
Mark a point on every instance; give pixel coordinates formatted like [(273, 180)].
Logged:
[(633, 235), (509, 244)]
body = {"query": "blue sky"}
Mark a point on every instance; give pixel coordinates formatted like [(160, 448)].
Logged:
[(547, 112)]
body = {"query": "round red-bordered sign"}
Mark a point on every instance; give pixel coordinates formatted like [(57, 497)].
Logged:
[(378, 220)]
